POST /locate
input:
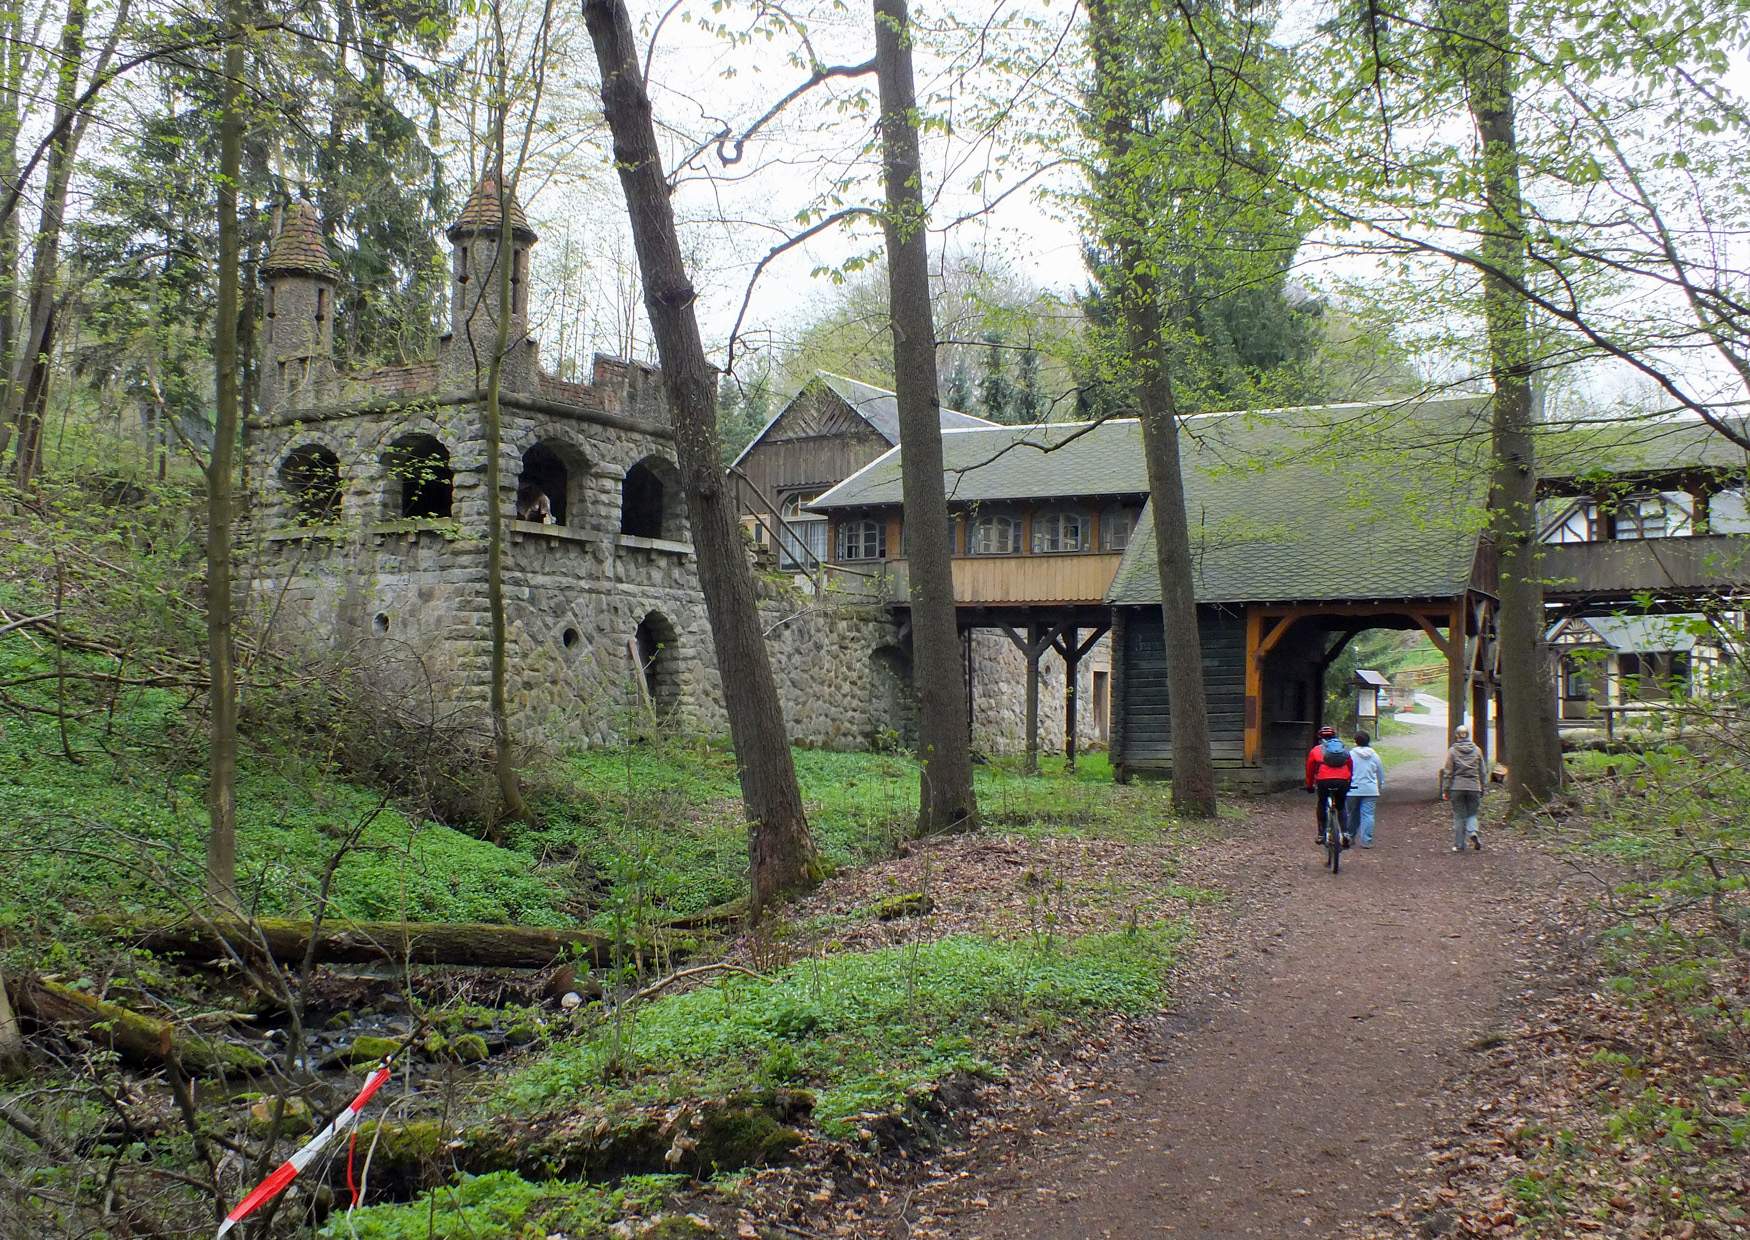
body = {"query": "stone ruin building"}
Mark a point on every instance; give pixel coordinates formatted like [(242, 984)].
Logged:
[(368, 516)]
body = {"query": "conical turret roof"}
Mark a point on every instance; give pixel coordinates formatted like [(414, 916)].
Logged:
[(480, 214), (298, 248)]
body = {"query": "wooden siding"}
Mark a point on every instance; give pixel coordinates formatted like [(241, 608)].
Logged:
[(1143, 735), (782, 466), (992, 579)]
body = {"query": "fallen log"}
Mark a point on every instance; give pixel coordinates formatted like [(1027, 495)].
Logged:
[(367, 942), (136, 1038)]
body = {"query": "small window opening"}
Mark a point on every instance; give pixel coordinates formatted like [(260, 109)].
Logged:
[(321, 304), (658, 676), (380, 623), (425, 483), (461, 264), (570, 638), (311, 476), (643, 502), (519, 282), (541, 493)]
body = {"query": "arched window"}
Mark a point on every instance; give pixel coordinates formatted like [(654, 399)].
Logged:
[(1116, 527), (311, 476), (423, 483), (545, 488), (994, 534), (657, 674), (648, 498), (862, 539), (804, 533), (1062, 530)]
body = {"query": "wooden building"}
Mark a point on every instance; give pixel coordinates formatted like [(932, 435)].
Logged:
[(1310, 526), (1040, 515), (828, 431)]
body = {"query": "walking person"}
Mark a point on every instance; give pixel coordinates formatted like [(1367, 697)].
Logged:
[(1366, 782), (1462, 781), (1327, 774)]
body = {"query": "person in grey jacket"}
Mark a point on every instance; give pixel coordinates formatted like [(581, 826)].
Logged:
[(1462, 781), (1365, 785)]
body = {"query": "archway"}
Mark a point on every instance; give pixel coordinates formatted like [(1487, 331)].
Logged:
[(547, 483), (649, 500), (311, 476), (422, 482), (893, 703), (657, 664)]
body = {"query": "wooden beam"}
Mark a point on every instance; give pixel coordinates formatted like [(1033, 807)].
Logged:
[(1455, 674), (1071, 666), (1254, 738), (1033, 650), (1277, 632), (1440, 643)]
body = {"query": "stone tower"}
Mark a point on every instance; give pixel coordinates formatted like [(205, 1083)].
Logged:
[(298, 335), (475, 292)]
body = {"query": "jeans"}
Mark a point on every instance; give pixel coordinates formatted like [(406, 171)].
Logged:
[(1332, 792), (1360, 821), (1465, 806)]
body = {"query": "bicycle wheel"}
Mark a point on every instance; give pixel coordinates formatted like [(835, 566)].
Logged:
[(1333, 843)]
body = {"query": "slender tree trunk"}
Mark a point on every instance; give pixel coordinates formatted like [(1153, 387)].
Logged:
[(222, 761), (1534, 755), (1147, 374), (12, 70), (946, 800), (780, 851), (27, 394), (510, 792), (12, 1053)]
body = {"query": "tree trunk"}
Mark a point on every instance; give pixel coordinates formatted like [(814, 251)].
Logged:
[(12, 70), (1147, 374), (946, 800), (27, 393), (1534, 754), (781, 853), (11, 1040), (510, 792), (364, 942), (221, 880), (136, 1038)]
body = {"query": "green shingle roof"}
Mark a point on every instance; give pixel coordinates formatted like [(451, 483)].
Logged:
[(1336, 502), (1014, 462), (1637, 445)]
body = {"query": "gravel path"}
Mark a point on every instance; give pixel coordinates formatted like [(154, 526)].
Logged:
[(1293, 1096)]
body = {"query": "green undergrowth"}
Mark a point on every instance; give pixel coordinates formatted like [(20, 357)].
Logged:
[(662, 824), (863, 1030), (504, 1204), (121, 827)]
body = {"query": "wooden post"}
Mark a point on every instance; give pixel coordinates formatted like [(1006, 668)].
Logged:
[(1455, 648), (1071, 664), (1254, 720), (1120, 692), (1031, 763)]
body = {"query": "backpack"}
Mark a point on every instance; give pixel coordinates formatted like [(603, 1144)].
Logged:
[(1336, 753)]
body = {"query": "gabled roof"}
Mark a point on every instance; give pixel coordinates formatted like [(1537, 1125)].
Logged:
[(876, 406), (1634, 634), (298, 247), (990, 463), (1336, 502)]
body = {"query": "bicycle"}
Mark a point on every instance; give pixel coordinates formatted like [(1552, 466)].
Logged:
[(1333, 836)]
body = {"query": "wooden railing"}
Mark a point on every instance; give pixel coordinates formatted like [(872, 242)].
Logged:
[(992, 579), (1700, 564)]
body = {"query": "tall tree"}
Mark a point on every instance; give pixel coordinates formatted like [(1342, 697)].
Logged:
[(994, 392), (781, 852), (946, 798), (1481, 41), (221, 876)]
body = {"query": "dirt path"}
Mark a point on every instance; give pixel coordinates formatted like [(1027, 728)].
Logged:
[(1291, 1097)]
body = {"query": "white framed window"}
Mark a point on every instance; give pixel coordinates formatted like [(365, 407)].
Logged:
[(1116, 527), (863, 539), (995, 534), (1060, 531), (1643, 516)]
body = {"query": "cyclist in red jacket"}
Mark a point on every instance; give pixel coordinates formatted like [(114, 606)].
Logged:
[(1328, 769)]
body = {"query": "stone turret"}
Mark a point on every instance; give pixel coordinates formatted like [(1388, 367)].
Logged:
[(298, 336), (475, 295)]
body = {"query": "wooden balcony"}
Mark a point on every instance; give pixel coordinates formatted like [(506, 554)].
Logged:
[(1683, 567), (997, 580)]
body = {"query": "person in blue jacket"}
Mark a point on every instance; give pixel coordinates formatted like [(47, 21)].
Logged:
[(1366, 782)]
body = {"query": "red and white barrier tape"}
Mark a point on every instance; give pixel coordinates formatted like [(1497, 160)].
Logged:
[(276, 1183)]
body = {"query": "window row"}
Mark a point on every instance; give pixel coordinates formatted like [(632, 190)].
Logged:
[(421, 485), (1055, 532)]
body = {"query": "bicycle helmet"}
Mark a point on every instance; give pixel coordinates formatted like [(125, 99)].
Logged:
[(1327, 730)]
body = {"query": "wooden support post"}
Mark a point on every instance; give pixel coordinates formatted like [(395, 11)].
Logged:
[(1071, 669), (1032, 651), (1455, 670), (1254, 721), (1478, 674)]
